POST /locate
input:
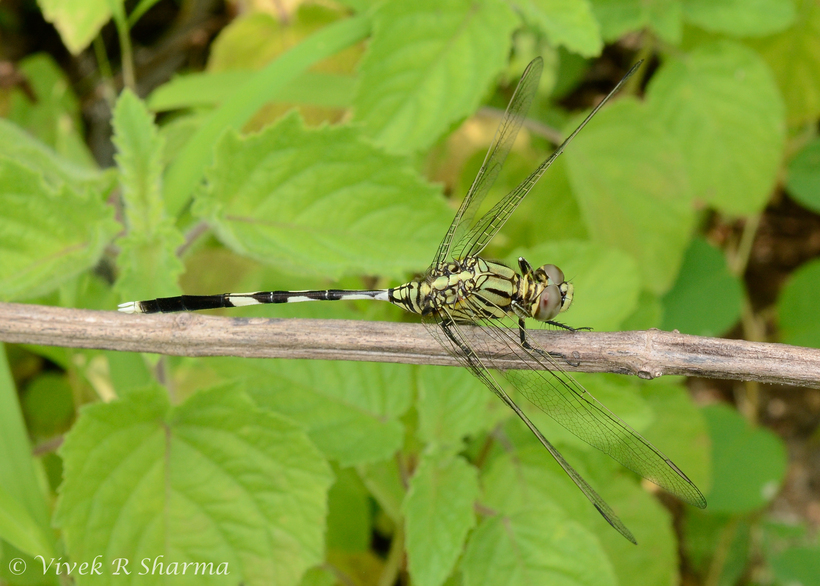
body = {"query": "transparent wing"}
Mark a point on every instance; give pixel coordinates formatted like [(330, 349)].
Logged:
[(450, 335), (479, 235), (496, 155), (561, 397)]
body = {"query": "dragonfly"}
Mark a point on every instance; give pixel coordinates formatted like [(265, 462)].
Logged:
[(463, 299)]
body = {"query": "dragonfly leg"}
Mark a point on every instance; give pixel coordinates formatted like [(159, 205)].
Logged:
[(568, 328)]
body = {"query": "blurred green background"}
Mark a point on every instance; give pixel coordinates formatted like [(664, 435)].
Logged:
[(154, 147)]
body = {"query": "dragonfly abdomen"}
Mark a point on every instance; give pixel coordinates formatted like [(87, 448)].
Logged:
[(199, 302)]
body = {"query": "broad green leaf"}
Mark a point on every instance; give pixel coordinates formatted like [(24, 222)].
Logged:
[(748, 464), (321, 201), (148, 263), (798, 309), (214, 480), (721, 106), (438, 513), (19, 529), (385, 483), (618, 17), (348, 518), (570, 23), (679, 429), (48, 405), (18, 145), (350, 410), (46, 236), (139, 156), (794, 59), (618, 394), (687, 310), (647, 315), (77, 22), (53, 116), (803, 180), (707, 533), (188, 168), (529, 477), (630, 180), (451, 404), (535, 547), (428, 64), (655, 559), (211, 88), (797, 565), (606, 280), (740, 18), (24, 515)]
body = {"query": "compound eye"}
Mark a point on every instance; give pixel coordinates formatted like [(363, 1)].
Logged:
[(555, 275), (549, 303)]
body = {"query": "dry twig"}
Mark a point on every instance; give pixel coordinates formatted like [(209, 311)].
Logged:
[(647, 354)]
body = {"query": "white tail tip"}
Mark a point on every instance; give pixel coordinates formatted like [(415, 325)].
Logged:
[(129, 307)]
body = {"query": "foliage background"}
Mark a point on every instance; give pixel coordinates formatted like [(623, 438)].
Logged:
[(688, 203)]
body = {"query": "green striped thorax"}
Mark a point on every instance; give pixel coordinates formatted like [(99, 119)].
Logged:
[(474, 288)]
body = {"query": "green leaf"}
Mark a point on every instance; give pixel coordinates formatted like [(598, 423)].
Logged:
[(321, 201), (139, 156), (350, 410), (348, 519), (797, 565), (630, 180), (707, 533), (685, 307), (721, 106), (606, 280), (214, 480), (679, 428), (77, 22), (655, 559), (211, 88), (748, 464), (24, 515), (53, 115), (619, 17), (529, 478), (18, 145), (740, 18), (794, 59), (570, 23), (534, 547), (385, 483), (439, 513), (47, 236), (451, 404), (798, 309), (803, 181), (148, 263), (188, 168), (428, 64)]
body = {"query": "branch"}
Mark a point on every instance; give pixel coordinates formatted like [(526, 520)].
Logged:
[(647, 354)]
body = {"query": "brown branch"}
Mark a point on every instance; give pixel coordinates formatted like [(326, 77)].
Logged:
[(647, 354)]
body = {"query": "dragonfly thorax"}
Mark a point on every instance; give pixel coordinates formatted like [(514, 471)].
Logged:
[(472, 288)]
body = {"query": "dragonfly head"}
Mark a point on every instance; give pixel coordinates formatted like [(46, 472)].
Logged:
[(556, 295)]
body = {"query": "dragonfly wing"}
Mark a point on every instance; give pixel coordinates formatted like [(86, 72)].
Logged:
[(450, 335), (479, 235), (496, 155), (555, 392)]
